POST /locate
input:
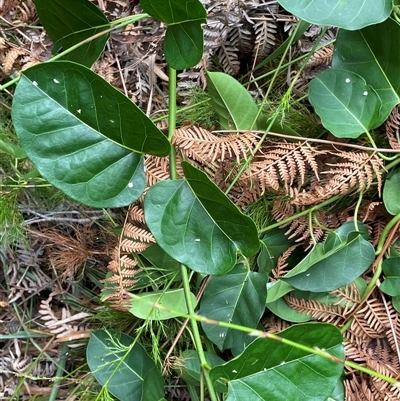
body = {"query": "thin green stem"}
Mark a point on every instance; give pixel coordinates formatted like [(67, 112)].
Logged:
[(196, 334), (172, 121), (300, 214), (310, 226), (385, 233), (59, 374), (356, 209)]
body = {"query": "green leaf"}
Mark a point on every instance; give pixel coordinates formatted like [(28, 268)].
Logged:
[(188, 367), (334, 269), (391, 270), (234, 105), (127, 371), (365, 53), (341, 13), (347, 106), (183, 43), (70, 22), (174, 300), (160, 259), (277, 289), (273, 244), (391, 192), (281, 309), (237, 297), (83, 135), (195, 223), (12, 150), (273, 371), (340, 235)]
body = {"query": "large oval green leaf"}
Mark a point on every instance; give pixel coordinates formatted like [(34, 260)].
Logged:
[(69, 22), (273, 371), (347, 106), (234, 105), (373, 53), (351, 15), (127, 371), (183, 44), (391, 192), (83, 135), (237, 297), (195, 223)]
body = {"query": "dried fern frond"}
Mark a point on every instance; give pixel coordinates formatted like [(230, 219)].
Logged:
[(336, 313), (201, 145), (392, 127), (60, 322), (281, 165)]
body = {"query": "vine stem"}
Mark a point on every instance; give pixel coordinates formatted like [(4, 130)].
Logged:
[(205, 368)]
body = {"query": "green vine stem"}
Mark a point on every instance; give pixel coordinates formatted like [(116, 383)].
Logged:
[(205, 368)]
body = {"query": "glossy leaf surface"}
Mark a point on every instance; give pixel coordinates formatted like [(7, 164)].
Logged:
[(195, 223), (174, 300), (237, 297), (130, 375), (83, 135), (347, 106), (366, 54), (233, 103), (69, 22), (345, 255), (345, 14), (391, 191), (284, 372), (183, 44)]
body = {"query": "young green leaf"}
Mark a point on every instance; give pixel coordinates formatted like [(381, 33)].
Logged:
[(347, 106), (366, 54), (183, 43), (237, 297), (127, 371), (341, 13), (391, 270), (195, 223), (70, 22), (273, 371), (320, 271), (234, 105), (174, 300), (391, 192), (83, 135)]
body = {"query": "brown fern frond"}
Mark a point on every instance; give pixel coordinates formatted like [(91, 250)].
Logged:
[(282, 263), (136, 214), (282, 165), (136, 233), (201, 145), (157, 169), (317, 310), (392, 127)]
